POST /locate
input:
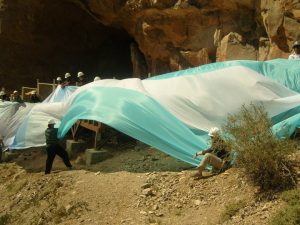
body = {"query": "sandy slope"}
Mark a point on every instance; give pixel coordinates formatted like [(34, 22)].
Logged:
[(134, 187)]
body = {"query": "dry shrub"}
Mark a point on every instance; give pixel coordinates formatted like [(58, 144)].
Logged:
[(263, 156)]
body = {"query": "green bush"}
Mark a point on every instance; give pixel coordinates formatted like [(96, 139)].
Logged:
[(231, 210), (290, 215), (263, 156), (292, 197), (4, 219)]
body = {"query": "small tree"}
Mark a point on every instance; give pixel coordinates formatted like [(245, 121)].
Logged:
[(263, 156)]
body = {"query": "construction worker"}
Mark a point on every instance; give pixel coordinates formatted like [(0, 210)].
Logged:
[(218, 155), (58, 80), (81, 80), (3, 95), (1, 147), (33, 97), (97, 78), (67, 80), (16, 97), (53, 147), (296, 51)]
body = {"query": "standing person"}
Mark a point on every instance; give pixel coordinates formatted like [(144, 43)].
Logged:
[(58, 80), (97, 78), (67, 80), (296, 51), (53, 147), (81, 80), (16, 97), (34, 98), (217, 155), (3, 95)]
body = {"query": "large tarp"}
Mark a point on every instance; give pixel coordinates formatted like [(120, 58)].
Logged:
[(60, 94), (173, 112)]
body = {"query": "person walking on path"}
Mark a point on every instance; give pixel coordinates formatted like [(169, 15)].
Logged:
[(53, 147)]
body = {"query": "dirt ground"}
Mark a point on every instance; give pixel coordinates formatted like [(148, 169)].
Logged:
[(135, 186)]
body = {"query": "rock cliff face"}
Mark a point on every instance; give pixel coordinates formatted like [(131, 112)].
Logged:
[(125, 38)]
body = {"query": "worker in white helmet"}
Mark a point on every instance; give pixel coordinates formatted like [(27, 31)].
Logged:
[(80, 79), (3, 95), (16, 97), (58, 80), (54, 148), (296, 51), (67, 80), (97, 78), (217, 155)]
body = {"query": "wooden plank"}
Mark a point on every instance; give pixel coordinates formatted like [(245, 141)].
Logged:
[(90, 126), (74, 129), (297, 132)]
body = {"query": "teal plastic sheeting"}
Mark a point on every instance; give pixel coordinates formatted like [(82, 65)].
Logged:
[(151, 119), (172, 112), (286, 72), (137, 115)]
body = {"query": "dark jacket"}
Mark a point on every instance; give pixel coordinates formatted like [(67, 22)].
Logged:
[(218, 148), (5, 97), (18, 99), (51, 137), (81, 82), (34, 99)]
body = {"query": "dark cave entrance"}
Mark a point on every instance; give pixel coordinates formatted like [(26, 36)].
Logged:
[(56, 37), (77, 41), (112, 58)]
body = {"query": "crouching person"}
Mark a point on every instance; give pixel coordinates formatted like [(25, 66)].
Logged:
[(53, 147), (217, 156)]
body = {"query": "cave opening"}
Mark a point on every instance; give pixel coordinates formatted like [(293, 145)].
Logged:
[(77, 41), (111, 59), (60, 37)]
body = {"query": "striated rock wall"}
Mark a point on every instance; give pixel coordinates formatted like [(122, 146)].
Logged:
[(54, 36)]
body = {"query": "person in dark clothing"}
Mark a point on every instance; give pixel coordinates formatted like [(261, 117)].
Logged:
[(218, 155), (67, 80), (58, 80), (3, 95), (81, 79), (53, 147), (34, 98), (1, 147), (16, 97)]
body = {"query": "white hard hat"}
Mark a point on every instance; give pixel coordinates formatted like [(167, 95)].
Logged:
[(67, 75), (97, 78), (213, 131), (15, 92), (58, 78), (80, 74), (51, 121)]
